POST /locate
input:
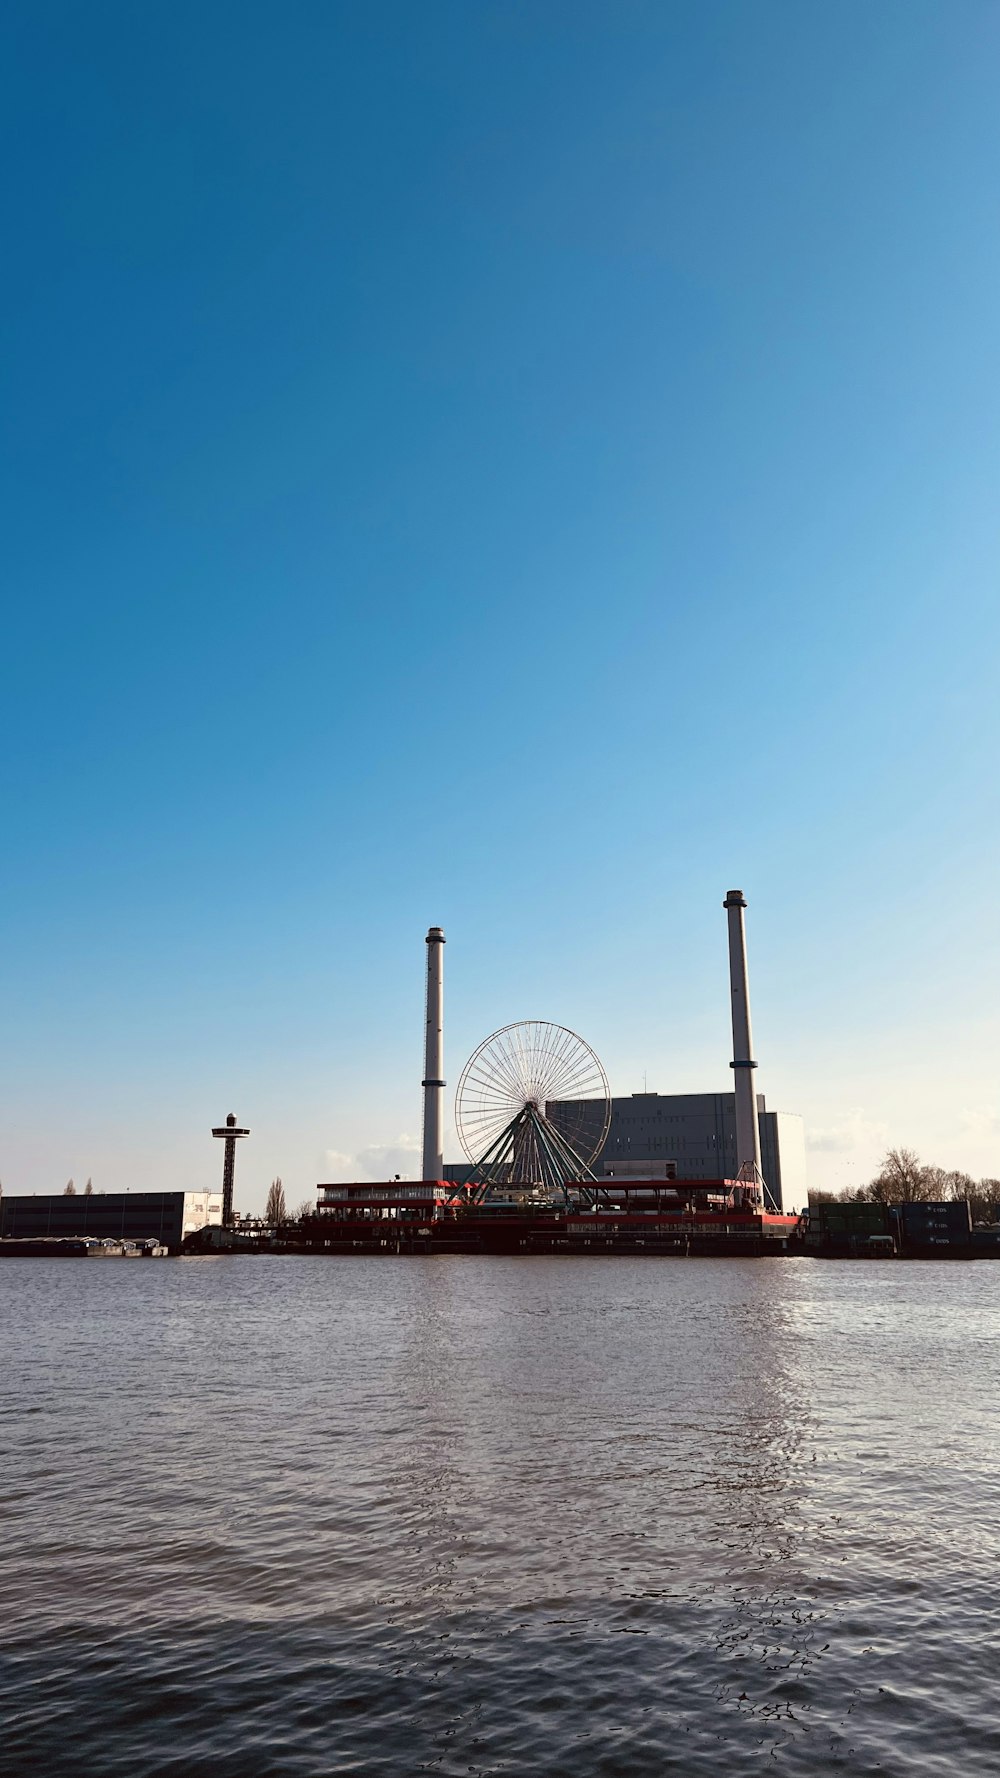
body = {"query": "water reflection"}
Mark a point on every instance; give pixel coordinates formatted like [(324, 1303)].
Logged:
[(594, 1464), (557, 1515)]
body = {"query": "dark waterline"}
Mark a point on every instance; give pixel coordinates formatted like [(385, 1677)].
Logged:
[(557, 1516)]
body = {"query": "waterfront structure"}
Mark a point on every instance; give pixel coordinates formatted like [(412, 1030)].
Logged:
[(539, 1128), (433, 1082), (398, 1200), (649, 1216), (230, 1135), (165, 1217)]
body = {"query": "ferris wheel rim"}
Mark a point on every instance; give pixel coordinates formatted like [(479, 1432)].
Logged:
[(511, 1068)]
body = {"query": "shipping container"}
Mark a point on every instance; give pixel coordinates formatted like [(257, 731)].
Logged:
[(869, 1219), (953, 1216)]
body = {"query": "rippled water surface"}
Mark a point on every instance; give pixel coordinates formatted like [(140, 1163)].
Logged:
[(281, 1516)]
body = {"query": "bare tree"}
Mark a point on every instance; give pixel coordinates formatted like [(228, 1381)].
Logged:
[(70, 1189), (942, 1184), (984, 1200), (275, 1210), (903, 1179), (88, 1190), (306, 1208)]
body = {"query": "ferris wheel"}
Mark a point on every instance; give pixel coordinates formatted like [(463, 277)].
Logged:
[(533, 1107)]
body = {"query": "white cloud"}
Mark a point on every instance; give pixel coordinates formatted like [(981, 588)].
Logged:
[(980, 1121), (380, 1161), (336, 1166), (852, 1132)]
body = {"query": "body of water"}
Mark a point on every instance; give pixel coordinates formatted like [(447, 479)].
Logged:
[(287, 1517)]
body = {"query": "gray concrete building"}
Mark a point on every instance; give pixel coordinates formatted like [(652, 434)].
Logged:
[(693, 1136)]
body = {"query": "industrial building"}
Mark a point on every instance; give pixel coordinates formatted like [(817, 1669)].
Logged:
[(166, 1217), (693, 1136)]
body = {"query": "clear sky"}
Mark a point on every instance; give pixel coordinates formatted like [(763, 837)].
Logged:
[(526, 468)]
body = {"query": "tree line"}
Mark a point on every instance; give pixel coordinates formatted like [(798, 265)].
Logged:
[(904, 1178)]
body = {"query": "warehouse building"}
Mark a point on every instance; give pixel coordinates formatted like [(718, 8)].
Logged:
[(166, 1217)]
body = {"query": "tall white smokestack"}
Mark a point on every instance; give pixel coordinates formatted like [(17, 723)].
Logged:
[(743, 1064), (433, 1081)]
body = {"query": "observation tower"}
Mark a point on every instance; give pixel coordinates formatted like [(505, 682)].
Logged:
[(230, 1135)]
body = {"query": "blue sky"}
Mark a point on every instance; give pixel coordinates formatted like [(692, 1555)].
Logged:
[(524, 468)]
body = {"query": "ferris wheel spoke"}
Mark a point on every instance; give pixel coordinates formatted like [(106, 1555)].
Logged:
[(573, 1074), (569, 1070), (502, 1061), (516, 1047), (499, 1084)]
